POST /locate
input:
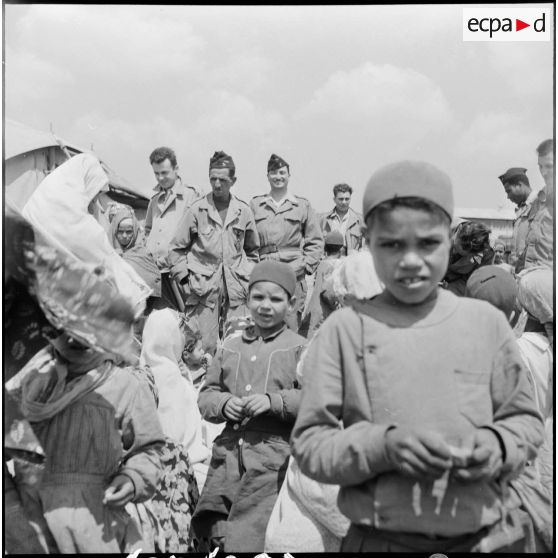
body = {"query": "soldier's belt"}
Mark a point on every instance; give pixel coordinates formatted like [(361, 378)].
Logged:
[(269, 249), (273, 248)]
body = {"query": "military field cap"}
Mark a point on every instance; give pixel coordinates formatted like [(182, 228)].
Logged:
[(495, 285), (408, 179), (334, 238), (276, 272), (512, 173), (221, 160), (275, 162)]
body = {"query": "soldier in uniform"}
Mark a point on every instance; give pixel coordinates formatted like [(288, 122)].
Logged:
[(166, 207), (213, 251), (289, 231), (344, 219)]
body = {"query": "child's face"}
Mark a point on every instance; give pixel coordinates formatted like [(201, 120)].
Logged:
[(269, 303), (196, 354), (410, 248)]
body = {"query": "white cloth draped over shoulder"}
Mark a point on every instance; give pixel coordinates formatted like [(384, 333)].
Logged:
[(180, 417), (58, 210)]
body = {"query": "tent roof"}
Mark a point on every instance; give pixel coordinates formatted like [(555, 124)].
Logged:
[(21, 138)]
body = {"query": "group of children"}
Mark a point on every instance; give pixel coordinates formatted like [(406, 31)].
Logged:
[(415, 402)]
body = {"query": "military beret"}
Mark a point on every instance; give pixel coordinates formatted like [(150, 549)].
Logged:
[(275, 162), (495, 285), (333, 238), (408, 179), (276, 272), (221, 160), (512, 173)]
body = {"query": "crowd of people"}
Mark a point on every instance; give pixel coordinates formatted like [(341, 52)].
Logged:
[(254, 376)]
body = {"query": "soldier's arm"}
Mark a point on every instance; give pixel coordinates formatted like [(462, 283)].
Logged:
[(181, 242), (313, 246), (251, 239)]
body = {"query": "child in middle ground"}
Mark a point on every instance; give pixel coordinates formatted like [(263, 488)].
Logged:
[(323, 300), (252, 385), (195, 361), (416, 402)]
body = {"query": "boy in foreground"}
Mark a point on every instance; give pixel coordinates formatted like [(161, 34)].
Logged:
[(416, 402)]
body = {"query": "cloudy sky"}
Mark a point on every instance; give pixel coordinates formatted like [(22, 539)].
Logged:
[(337, 91)]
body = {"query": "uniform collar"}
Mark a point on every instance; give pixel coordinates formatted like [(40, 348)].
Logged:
[(290, 197), (530, 199), (208, 204), (177, 188), (251, 333)]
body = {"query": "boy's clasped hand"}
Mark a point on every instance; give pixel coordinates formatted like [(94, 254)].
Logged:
[(238, 408), (424, 454)]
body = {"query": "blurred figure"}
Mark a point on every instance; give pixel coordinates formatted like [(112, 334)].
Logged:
[(500, 255), (322, 300), (184, 453), (470, 250), (534, 486), (539, 241)]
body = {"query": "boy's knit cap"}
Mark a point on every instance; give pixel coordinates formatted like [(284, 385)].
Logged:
[(333, 238), (408, 179), (277, 272), (495, 285)]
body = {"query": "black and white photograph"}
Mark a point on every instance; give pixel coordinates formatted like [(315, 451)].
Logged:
[(278, 278)]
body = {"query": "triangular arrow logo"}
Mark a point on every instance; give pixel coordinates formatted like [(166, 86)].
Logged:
[(519, 25)]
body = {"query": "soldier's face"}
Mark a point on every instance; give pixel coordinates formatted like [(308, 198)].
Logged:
[(342, 201), (279, 178), (221, 183), (165, 174)]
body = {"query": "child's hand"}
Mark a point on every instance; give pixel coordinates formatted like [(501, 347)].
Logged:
[(418, 453), (256, 404), (119, 492), (486, 459), (234, 409)]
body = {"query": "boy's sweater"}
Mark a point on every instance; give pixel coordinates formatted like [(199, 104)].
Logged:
[(452, 370)]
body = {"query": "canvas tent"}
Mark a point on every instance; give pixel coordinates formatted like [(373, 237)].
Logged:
[(30, 154)]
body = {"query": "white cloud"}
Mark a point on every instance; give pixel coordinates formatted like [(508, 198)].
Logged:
[(33, 78), (394, 102), (114, 41)]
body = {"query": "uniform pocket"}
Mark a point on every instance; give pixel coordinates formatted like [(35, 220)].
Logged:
[(473, 392)]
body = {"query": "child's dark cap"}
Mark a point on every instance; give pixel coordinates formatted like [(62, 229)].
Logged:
[(495, 285), (333, 238), (408, 179), (276, 272)]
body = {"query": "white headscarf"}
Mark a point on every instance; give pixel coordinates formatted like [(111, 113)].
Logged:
[(58, 209), (179, 414)]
